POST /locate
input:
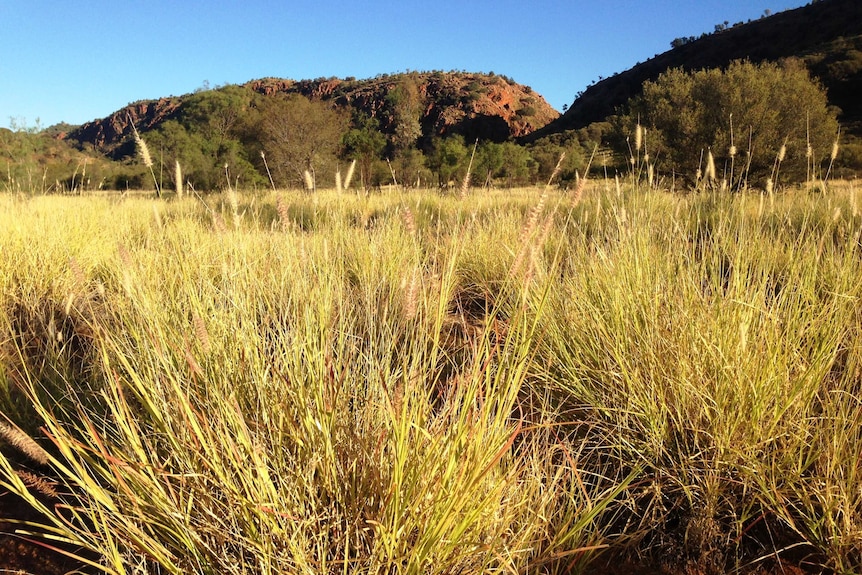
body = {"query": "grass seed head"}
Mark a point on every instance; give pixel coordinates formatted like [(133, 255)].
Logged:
[(178, 179), (143, 149), (557, 169), (39, 483), (23, 443), (201, 333), (349, 175), (710, 166)]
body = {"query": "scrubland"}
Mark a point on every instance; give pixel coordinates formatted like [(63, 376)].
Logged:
[(528, 381)]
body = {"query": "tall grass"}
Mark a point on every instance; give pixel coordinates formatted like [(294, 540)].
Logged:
[(418, 384), (256, 401)]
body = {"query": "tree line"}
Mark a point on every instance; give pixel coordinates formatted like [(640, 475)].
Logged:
[(755, 122)]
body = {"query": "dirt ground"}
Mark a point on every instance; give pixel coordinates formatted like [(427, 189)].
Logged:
[(22, 555)]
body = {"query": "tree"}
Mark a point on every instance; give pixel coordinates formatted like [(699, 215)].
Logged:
[(216, 113), (488, 163), (206, 135), (518, 167), (546, 154), (405, 104), (447, 159), (300, 135), (365, 144), (746, 108)]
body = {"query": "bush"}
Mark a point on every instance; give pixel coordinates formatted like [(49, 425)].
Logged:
[(756, 108)]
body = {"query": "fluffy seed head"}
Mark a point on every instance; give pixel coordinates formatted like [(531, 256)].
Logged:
[(39, 483), (557, 168), (143, 150), (23, 443), (349, 175), (178, 178), (409, 221), (201, 333), (710, 166), (283, 211)]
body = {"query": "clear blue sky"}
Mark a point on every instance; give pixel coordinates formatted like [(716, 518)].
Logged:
[(78, 60)]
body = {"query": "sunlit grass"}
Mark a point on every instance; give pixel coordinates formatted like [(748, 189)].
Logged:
[(412, 383)]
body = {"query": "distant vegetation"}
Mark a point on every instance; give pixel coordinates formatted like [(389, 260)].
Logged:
[(31, 160), (758, 121), (825, 35), (410, 129)]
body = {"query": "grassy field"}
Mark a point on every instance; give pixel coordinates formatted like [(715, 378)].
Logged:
[(526, 381)]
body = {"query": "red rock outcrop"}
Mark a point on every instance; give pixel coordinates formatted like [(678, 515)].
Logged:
[(483, 106)]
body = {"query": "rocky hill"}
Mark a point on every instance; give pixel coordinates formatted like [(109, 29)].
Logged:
[(826, 35), (484, 106)]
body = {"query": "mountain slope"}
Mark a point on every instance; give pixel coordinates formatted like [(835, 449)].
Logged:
[(826, 35), (484, 106)]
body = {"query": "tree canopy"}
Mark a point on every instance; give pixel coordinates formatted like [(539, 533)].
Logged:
[(747, 115)]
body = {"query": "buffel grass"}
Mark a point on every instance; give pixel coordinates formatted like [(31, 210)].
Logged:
[(505, 383)]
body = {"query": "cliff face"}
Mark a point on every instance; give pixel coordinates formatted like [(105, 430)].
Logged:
[(108, 133), (450, 102), (480, 106)]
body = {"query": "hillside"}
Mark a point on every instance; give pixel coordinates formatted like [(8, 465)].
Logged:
[(826, 35), (484, 106)]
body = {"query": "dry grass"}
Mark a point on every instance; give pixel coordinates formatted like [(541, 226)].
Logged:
[(421, 384)]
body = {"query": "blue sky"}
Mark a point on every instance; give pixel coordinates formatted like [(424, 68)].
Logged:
[(78, 60)]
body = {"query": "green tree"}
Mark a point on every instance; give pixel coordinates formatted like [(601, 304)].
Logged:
[(176, 143), (488, 163), (405, 104), (216, 114), (518, 167), (410, 167), (448, 159), (756, 108), (546, 154), (208, 134), (298, 135), (364, 143)]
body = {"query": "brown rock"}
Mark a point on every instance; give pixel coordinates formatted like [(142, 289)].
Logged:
[(479, 106)]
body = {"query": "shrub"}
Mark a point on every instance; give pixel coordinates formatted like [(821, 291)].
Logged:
[(756, 108)]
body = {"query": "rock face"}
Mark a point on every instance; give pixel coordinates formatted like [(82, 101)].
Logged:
[(454, 102), (483, 106), (107, 134)]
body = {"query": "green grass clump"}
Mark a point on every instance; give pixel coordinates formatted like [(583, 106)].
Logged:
[(410, 383)]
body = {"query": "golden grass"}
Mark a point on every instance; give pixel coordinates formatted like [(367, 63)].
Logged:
[(410, 383)]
